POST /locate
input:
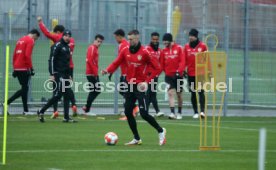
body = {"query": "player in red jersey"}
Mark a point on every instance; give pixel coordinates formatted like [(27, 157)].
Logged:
[(155, 51), (92, 65), (23, 66), (190, 49), (137, 59), (173, 64), (119, 36)]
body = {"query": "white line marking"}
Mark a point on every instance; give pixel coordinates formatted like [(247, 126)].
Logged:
[(184, 123), (130, 150)]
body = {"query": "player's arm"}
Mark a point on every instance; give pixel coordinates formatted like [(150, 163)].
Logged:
[(72, 45), (28, 54), (116, 63), (90, 57), (156, 67), (185, 74), (182, 63), (162, 60), (55, 52), (54, 37)]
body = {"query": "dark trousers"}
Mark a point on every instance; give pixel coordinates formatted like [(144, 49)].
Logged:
[(24, 80), (192, 86), (94, 91), (152, 93), (131, 97), (71, 93), (61, 80)]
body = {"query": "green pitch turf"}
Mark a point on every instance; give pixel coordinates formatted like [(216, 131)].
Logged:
[(55, 145)]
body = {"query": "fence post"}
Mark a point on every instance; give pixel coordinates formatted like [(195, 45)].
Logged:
[(116, 77), (226, 48), (246, 52), (46, 13), (4, 44), (68, 13)]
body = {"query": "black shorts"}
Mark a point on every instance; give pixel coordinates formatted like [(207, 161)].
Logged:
[(95, 83), (192, 83), (172, 82)]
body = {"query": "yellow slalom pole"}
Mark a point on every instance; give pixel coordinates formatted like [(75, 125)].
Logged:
[(6, 104)]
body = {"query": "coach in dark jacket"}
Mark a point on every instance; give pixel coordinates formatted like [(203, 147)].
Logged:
[(60, 69)]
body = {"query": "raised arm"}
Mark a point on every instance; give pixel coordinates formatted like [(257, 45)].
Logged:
[(53, 36)]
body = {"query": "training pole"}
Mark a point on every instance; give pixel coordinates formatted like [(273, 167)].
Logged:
[(6, 105)]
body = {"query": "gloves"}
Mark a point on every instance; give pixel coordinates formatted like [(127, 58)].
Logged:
[(185, 74), (177, 76), (14, 74), (110, 76), (31, 72)]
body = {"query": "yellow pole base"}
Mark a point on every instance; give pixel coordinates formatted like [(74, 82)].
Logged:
[(209, 148)]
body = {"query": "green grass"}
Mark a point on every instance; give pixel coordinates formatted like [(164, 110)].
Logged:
[(35, 146)]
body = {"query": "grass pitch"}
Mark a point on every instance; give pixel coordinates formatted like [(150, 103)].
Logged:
[(60, 146)]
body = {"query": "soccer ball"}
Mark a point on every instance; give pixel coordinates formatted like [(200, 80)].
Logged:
[(111, 138)]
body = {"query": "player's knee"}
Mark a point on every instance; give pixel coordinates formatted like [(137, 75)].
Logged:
[(144, 114), (171, 93)]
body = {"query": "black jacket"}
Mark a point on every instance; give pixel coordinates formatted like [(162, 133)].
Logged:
[(59, 61)]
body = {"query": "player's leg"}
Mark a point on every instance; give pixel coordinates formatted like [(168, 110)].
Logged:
[(66, 101), (24, 80), (18, 93), (55, 105), (171, 95), (72, 95), (153, 98), (129, 105), (94, 92), (54, 99), (179, 102), (202, 103), (192, 84), (122, 92), (142, 100)]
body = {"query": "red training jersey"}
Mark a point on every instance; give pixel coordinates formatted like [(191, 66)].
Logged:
[(156, 55), (172, 60), (124, 44), (55, 37), (92, 59), (136, 65), (190, 53), (22, 55)]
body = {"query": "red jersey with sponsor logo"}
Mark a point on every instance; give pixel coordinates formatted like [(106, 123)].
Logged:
[(22, 55), (156, 55), (92, 59), (190, 53), (55, 37), (124, 44), (136, 65), (172, 60)]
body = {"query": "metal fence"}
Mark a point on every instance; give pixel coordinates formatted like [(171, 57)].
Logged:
[(245, 28)]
